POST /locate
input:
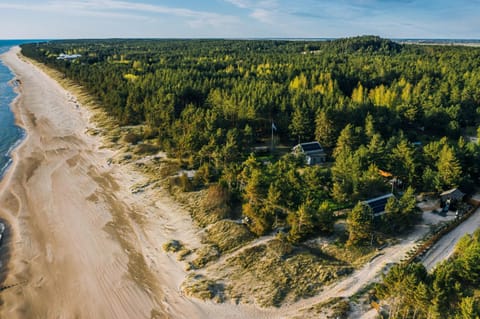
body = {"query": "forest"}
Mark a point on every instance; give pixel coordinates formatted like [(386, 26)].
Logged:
[(410, 111)]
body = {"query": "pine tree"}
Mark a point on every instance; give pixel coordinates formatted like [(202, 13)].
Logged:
[(403, 161), (346, 172), (301, 125), (325, 218), (377, 151), (391, 218), (449, 169), (468, 309), (301, 223), (346, 141), (369, 126), (360, 224), (370, 182), (358, 94), (325, 132)]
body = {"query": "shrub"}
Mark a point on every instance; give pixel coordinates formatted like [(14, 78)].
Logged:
[(214, 206), (132, 138)]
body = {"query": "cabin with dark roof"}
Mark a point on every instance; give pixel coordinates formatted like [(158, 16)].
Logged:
[(378, 204), (451, 198), (312, 151)]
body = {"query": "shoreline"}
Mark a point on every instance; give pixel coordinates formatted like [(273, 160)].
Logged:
[(13, 84), (75, 241), (5, 175), (17, 207)]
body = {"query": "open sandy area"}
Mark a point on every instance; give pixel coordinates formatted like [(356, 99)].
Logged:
[(81, 245)]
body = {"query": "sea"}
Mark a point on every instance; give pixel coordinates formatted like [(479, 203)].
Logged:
[(10, 134)]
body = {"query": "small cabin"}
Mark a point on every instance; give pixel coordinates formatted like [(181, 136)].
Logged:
[(451, 198), (312, 151), (378, 204)]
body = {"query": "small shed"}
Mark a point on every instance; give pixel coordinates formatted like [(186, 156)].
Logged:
[(451, 197), (378, 204), (313, 152)]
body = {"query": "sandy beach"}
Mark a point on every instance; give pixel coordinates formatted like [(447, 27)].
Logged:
[(81, 245)]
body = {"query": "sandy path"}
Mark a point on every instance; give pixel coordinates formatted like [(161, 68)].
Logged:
[(444, 248)]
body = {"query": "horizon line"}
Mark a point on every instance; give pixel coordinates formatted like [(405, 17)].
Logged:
[(237, 38)]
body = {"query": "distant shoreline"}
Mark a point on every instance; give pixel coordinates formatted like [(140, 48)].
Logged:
[(442, 41)]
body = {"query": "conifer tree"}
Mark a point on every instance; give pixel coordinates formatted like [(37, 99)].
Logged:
[(449, 169), (360, 224)]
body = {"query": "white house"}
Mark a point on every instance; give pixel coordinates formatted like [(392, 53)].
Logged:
[(313, 152)]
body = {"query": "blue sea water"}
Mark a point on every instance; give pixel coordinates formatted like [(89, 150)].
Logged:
[(10, 134)]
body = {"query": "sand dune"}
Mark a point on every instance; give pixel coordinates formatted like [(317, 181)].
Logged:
[(75, 249)]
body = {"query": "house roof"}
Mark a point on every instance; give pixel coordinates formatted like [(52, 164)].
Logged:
[(378, 203), (453, 193), (311, 146)]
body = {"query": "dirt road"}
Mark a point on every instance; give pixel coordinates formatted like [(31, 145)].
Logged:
[(444, 248)]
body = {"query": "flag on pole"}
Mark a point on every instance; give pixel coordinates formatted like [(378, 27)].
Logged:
[(274, 127)]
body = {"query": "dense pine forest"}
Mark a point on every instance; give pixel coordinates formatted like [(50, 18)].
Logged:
[(391, 117), (374, 105)]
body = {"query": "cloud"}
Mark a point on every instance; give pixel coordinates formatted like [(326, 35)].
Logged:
[(311, 15), (69, 9), (244, 4), (265, 11), (122, 9), (262, 15)]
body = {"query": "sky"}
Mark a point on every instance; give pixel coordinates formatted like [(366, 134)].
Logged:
[(61, 19)]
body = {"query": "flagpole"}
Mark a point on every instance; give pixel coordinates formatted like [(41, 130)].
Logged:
[(272, 134)]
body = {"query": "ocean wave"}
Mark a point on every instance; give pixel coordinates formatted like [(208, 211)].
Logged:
[(4, 168), (12, 135)]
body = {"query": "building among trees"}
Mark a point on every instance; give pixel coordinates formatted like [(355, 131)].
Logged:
[(313, 152), (451, 197), (378, 204)]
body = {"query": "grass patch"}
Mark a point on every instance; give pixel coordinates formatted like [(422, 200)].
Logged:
[(228, 235), (205, 255), (277, 272), (363, 292), (168, 168), (183, 253), (334, 308), (200, 287), (213, 207), (355, 255), (146, 149), (173, 246)]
